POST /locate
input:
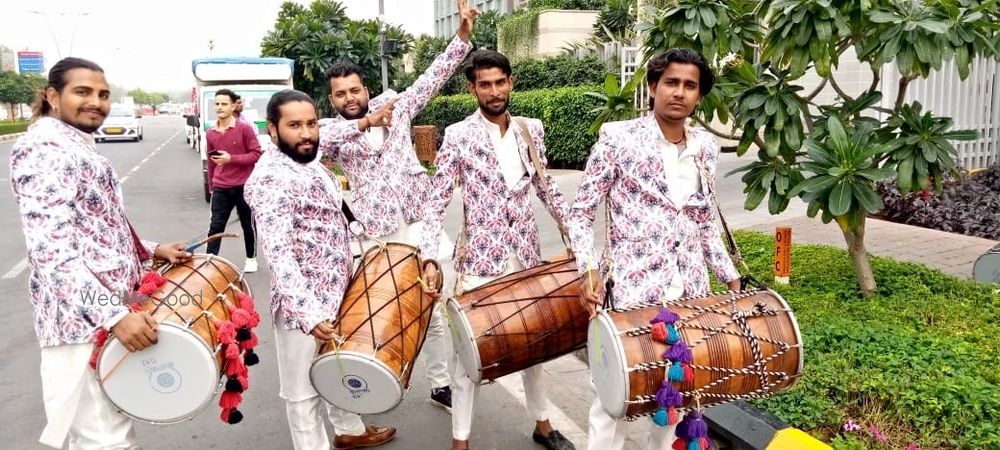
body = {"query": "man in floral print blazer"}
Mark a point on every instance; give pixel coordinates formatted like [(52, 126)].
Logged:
[(655, 173), (487, 154), (82, 252), (304, 236), (386, 178)]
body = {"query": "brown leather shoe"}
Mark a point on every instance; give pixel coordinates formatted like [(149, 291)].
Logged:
[(373, 437)]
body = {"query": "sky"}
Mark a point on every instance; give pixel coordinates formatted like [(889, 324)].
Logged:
[(150, 44)]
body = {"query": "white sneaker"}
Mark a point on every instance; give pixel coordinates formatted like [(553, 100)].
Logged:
[(250, 266)]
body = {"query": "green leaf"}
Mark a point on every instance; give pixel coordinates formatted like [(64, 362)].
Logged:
[(818, 183), (818, 152), (611, 85), (838, 137), (933, 26), (840, 199), (904, 175), (754, 198), (876, 174), (772, 141), (867, 197), (707, 16)]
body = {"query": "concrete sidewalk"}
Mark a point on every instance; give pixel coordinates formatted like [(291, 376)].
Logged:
[(951, 253)]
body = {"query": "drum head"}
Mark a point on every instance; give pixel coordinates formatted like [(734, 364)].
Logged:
[(608, 364), (464, 341), (169, 382), (987, 267), (356, 382)]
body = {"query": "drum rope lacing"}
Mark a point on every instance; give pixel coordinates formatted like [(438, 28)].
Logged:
[(498, 285), (377, 344), (736, 316)]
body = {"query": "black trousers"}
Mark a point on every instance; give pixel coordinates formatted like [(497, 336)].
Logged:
[(223, 202)]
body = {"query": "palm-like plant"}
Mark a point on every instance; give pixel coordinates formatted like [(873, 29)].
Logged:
[(845, 168), (619, 102), (920, 148)]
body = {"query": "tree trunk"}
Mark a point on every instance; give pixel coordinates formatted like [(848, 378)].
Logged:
[(859, 257)]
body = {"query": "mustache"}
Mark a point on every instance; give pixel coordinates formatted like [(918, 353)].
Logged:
[(94, 110)]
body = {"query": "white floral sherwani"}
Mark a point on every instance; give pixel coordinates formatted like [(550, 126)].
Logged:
[(498, 219), (651, 237), (79, 243), (388, 181), (303, 234)]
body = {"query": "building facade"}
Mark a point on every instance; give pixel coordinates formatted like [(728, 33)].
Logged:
[(446, 18)]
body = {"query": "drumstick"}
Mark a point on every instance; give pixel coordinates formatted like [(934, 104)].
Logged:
[(123, 358), (195, 243)]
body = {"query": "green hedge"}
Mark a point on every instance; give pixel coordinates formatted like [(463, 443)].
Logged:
[(564, 111), (918, 361), (8, 127)]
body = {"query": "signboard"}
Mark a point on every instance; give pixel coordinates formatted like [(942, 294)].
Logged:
[(782, 254), (30, 62)]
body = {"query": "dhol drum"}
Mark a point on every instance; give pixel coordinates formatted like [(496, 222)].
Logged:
[(382, 325), (519, 320), (175, 379), (743, 345), (987, 267)]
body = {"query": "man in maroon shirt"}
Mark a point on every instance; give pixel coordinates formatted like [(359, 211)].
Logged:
[(233, 151)]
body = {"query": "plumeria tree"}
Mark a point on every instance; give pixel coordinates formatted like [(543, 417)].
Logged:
[(829, 155)]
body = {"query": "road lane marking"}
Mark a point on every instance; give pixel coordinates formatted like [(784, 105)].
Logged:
[(16, 270), (123, 179), (23, 264)]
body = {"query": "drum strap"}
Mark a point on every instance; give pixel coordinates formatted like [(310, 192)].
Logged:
[(746, 279), (544, 177)]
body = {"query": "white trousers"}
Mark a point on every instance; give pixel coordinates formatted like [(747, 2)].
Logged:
[(606, 433), (464, 391), (303, 405), (76, 406), (437, 345)]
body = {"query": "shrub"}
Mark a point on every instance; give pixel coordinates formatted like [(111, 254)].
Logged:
[(557, 71), (564, 111), (9, 127), (967, 205), (917, 360), (529, 74)]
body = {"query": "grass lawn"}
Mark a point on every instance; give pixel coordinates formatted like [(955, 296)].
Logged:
[(10, 126), (918, 363)]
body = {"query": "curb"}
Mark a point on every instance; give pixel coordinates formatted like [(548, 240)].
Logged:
[(744, 427), (10, 137), (747, 427)]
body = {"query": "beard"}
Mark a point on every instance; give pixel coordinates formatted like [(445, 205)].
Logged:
[(293, 150), (362, 111), (86, 126), (494, 111)]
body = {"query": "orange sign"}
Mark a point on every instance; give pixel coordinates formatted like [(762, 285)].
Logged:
[(782, 254)]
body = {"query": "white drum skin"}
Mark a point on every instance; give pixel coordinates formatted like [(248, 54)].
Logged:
[(169, 382), (356, 382)]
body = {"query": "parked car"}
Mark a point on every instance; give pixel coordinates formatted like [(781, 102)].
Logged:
[(123, 123)]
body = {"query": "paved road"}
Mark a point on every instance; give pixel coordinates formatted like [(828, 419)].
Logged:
[(162, 188)]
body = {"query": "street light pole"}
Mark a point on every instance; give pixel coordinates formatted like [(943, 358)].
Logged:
[(381, 45), (73, 36), (52, 32)]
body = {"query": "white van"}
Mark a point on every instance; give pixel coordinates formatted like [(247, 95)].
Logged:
[(255, 80)]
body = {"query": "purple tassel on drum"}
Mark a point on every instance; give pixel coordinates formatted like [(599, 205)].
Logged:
[(691, 430), (666, 316), (668, 395), (679, 351)]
